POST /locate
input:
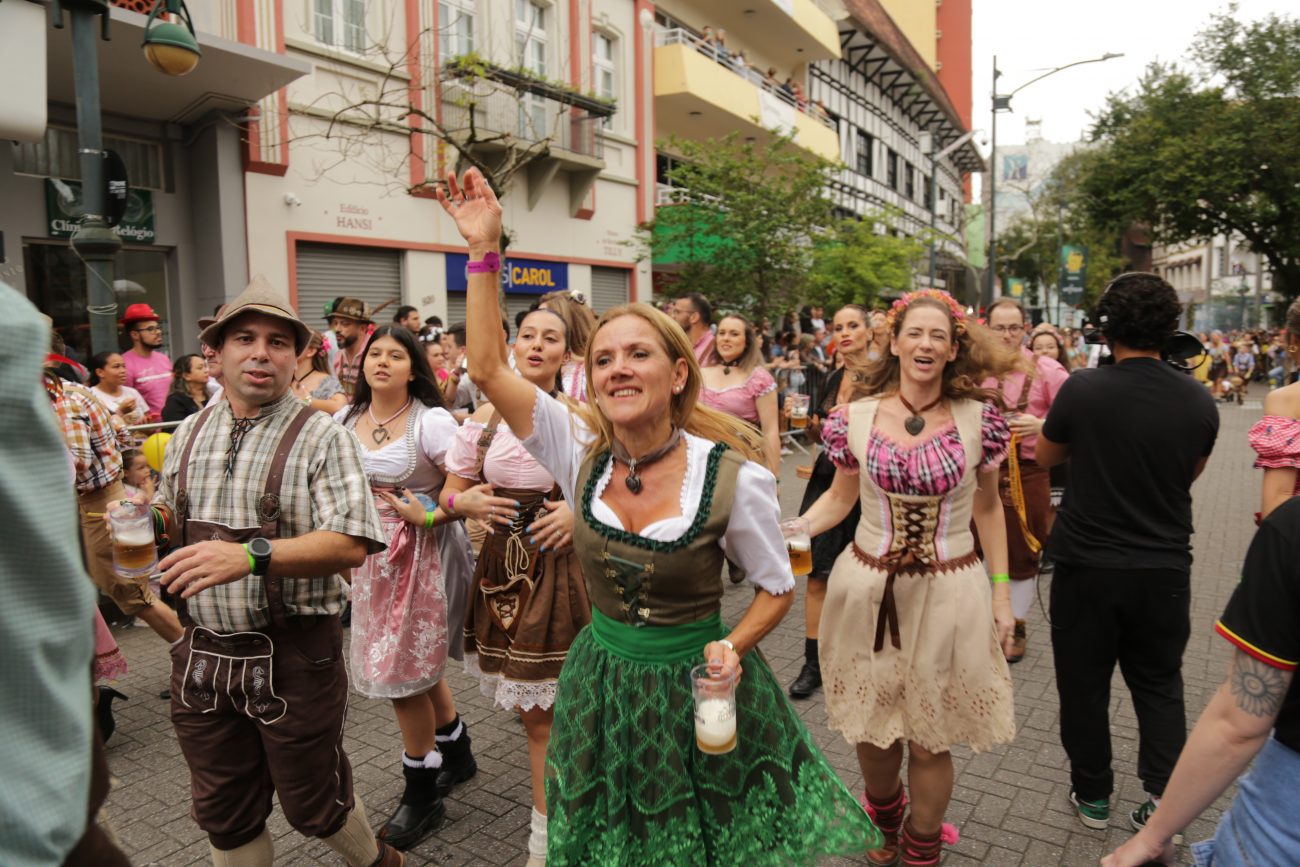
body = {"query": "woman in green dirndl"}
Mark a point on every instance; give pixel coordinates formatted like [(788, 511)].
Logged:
[(663, 492)]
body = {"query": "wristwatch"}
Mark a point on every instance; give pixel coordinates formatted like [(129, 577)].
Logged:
[(260, 550), (490, 264)]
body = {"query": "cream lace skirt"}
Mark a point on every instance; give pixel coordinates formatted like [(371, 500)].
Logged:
[(947, 684)]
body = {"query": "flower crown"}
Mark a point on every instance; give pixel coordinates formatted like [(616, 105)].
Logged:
[(899, 307)]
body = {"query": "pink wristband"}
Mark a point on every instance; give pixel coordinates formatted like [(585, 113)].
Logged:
[(451, 503)]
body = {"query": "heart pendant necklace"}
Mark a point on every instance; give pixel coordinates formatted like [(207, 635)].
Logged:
[(380, 433), (633, 478), (914, 423)]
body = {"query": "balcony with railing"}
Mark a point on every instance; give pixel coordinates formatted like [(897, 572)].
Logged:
[(502, 113), (702, 91)]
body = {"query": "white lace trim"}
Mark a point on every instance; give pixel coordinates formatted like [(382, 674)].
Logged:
[(510, 694)]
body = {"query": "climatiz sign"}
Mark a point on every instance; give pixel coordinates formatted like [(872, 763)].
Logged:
[(518, 276), (63, 208)]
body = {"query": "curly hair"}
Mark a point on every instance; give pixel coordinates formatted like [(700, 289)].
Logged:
[(1139, 310), (980, 355)]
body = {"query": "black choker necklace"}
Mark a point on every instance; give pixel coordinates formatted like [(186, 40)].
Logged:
[(633, 480), (727, 365)]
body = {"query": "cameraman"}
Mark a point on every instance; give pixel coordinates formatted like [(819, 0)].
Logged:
[(1137, 433)]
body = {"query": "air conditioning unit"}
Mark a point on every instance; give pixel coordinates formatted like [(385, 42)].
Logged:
[(23, 29)]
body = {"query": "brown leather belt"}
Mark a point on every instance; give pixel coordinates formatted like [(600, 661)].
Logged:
[(909, 561)]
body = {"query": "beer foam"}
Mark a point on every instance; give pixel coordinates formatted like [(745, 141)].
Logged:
[(134, 536)]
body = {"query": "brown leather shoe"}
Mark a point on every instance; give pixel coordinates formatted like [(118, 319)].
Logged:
[(389, 857), (888, 817), (1018, 642)]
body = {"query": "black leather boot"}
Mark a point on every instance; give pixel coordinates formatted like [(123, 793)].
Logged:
[(808, 681), (104, 711), (420, 812), (458, 763)]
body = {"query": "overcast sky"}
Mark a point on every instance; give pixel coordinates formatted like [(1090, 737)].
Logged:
[(1030, 37)]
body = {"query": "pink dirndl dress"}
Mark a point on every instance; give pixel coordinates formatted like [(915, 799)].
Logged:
[(1276, 441), (741, 399), (109, 662), (399, 601)]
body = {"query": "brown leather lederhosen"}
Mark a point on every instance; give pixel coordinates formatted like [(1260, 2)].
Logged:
[(259, 713)]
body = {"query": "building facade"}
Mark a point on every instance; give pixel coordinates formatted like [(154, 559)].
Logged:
[(1222, 281), (892, 114), (183, 230), (340, 190)]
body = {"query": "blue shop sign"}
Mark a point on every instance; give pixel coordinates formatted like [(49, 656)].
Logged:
[(518, 276)]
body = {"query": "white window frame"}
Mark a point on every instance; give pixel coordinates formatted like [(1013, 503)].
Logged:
[(601, 66), (453, 16), (529, 33), (345, 35)]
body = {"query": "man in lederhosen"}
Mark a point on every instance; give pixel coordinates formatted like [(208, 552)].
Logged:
[(1026, 399), (265, 502)]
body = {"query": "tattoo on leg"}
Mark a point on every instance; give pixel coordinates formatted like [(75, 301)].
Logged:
[(1257, 688)]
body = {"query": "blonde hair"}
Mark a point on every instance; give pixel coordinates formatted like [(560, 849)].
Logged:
[(750, 357), (686, 410), (579, 320), (980, 355)]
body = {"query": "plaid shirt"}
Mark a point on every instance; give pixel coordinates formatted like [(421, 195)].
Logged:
[(324, 488), (89, 433), (348, 371)]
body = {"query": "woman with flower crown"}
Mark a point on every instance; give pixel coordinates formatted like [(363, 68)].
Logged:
[(914, 632)]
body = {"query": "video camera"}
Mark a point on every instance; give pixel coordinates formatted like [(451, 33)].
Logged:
[(1183, 350)]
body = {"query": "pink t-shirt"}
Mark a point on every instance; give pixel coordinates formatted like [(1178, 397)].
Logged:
[(1049, 375), (151, 376)]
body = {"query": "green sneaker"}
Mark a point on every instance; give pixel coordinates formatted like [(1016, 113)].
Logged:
[(1093, 814), (1139, 818)]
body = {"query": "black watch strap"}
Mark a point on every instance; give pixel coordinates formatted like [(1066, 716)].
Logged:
[(260, 550)]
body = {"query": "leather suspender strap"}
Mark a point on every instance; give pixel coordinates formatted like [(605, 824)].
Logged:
[(485, 442), (268, 509), (183, 477)]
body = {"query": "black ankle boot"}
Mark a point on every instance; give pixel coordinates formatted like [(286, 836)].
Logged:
[(458, 763), (420, 812), (808, 681), (104, 711)]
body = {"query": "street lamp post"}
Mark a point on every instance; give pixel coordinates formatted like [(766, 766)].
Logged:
[(1003, 103), (94, 241)]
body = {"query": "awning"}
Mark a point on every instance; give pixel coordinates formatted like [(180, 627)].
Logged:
[(230, 76)]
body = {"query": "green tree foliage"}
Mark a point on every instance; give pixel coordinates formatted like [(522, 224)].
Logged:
[(742, 231), (1211, 149), (855, 261)]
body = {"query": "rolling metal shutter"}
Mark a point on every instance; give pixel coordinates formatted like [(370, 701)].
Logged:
[(326, 271), (514, 304), (608, 288)]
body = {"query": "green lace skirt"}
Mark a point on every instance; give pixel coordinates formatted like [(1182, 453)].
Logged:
[(625, 784)]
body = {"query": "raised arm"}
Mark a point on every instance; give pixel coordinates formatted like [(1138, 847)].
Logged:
[(474, 207)]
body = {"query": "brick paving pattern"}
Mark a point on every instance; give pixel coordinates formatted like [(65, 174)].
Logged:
[(1010, 803)]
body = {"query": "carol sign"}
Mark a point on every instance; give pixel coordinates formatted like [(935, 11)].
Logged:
[(518, 276)]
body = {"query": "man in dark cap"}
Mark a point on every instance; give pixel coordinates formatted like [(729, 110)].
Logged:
[(265, 502)]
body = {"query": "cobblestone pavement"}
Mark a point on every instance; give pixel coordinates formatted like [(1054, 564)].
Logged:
[(1010, 804)]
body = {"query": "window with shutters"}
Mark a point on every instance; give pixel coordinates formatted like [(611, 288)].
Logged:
[(608, 288), (530, 51), (866, 144)]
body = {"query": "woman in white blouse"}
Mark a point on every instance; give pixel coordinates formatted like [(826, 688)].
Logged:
[(662, 492), (401, 635), (108, 382)]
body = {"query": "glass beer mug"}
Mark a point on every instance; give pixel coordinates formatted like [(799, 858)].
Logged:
[(715, 710), (134, 552), (798, 410), (798, 544)]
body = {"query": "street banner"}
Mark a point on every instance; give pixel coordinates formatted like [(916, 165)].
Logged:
[(1016, 287), (1074, 273)]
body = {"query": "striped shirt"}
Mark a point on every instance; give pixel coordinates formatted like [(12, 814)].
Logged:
[(324, 488)]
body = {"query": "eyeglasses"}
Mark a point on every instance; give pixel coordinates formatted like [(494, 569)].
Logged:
[(149, 330), (1007, 329)]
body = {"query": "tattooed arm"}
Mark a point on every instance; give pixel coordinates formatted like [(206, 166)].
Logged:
[(1233, 728)]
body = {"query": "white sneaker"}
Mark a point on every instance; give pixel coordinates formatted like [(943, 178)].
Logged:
[(786, 450)]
